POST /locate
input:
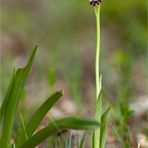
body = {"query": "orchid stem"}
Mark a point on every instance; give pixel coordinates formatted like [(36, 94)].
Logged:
[(98, 79)]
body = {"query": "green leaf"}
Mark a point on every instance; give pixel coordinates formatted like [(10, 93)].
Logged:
[(69, 141), (93, 139), (96, 134), (119, 136), (82, 140), (37, 117), (7, 96), (24, 127), (104, 120), (128, 137), (99, 107), (56, 125), (12, 98)]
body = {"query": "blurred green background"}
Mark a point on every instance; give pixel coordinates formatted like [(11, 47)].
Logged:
[(65, 33)]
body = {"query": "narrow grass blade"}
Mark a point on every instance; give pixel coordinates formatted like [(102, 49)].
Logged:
[(121, 139), (99, 107), (53, 127), (24, 127), (98, 114), (93, 139), (104, 120), (69, 141), (12, 102), (82, 140), (58, 143), (41, 112), (37, 117), (128, 137), (7, 96)]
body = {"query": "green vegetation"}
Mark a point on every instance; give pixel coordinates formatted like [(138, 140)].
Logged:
[(108, 84), (26, 137)]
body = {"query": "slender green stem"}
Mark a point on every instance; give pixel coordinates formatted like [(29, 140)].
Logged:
[(24, 128), (97, 12), (98, 80)]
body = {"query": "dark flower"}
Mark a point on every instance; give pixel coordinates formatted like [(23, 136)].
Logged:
[(95, 2)]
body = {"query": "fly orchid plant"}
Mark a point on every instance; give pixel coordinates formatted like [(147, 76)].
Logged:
[(98, 138)]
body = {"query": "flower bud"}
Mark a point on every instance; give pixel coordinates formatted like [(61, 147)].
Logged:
[(95, 2)]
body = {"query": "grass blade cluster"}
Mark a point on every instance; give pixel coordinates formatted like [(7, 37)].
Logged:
[(10, 103), (28, 136), (37, 117), (59, 124)]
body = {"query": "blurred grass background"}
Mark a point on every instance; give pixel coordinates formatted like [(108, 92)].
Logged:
[(65, 32)]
